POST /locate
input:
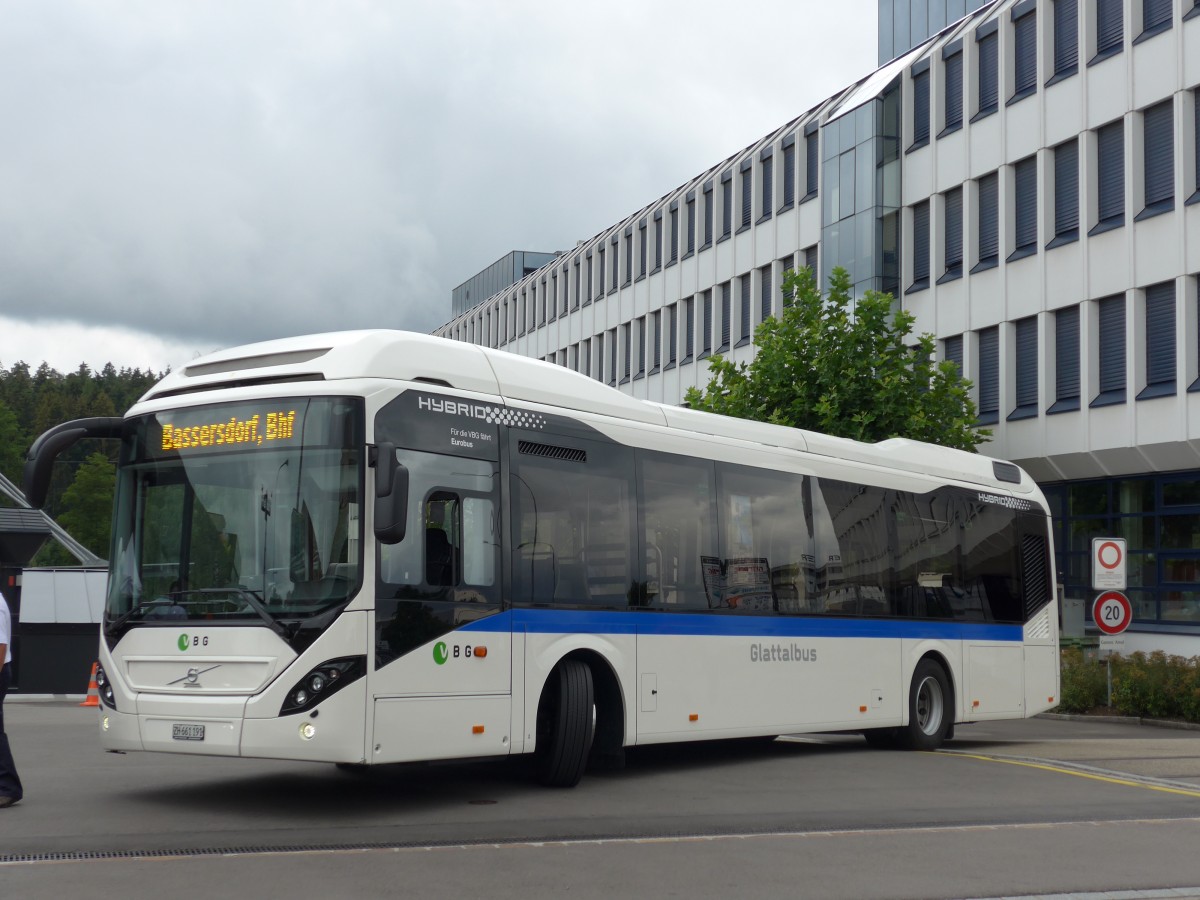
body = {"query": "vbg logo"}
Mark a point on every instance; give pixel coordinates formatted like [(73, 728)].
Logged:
[(186, 641), (439, 653)]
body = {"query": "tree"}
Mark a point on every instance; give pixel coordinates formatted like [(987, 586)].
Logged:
[(844, 369), (88, 503), (12, 444)]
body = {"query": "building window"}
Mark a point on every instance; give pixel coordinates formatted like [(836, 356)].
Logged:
[(628, 257), (952, 351), (612, 355), (1026, 373), (1066, 40), (616, 263), (747, 194), (1110, 176), (789, 173), (706, 338), (1025, 194), (989, 73), (786, 265), (656, 337), (578, 281), (920, 244), (1066, 194), (726, 310), (953, 225), (708, 215), (988, 222), (1111, 315), (768, 188), (553, 295), (765, 291), (672, 335), (726, 204), (1024, 19), (565, 290), (989, 376), (1110, 29), (810, 165), (658, 236), (1156, 18), (542, 308), (641, 347), (1195, 198), (689, 329), (952, 69), (674, 254), (599, 342), (627, 351), (744, 335), (643, 250), (920, 86), (810, 263), (1160, 341), (1066, 361), (691, 223), (1159, 159)]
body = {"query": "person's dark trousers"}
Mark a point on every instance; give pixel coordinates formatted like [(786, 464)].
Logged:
[(10, 782)]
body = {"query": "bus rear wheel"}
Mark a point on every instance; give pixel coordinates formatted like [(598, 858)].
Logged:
[(929, 708), (565, 725)]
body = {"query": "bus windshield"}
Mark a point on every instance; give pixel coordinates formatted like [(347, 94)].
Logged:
[(240, 512)]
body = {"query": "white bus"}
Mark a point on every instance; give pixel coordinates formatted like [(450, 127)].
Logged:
[(375, 547)]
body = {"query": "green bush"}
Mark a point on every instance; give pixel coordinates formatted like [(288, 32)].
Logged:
[(1084, 683), (1155, 685)]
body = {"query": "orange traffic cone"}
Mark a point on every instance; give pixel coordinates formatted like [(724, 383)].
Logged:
[(93, 693)]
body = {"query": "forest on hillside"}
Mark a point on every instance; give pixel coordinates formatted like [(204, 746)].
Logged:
[(31, 402)]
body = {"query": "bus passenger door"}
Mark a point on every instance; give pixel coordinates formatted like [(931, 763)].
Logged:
[(441, 683)]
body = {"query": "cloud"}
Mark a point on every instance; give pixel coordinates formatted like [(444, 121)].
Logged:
[(219, 173)]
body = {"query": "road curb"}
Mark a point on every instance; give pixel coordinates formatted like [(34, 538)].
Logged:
[(1122, 720)]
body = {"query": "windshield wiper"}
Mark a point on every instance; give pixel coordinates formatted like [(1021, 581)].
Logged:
[(177, 598)]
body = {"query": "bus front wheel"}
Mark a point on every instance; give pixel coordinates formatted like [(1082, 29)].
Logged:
[(930, 712), (565, 725)]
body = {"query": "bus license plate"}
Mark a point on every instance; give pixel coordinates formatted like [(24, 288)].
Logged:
[(180, 732)]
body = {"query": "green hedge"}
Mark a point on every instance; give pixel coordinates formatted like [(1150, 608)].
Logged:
[(1155, 685)]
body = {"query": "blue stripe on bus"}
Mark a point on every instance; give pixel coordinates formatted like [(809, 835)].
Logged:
[(564, 621)]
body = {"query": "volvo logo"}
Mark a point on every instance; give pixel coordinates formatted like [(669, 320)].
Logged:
[(192, 678)]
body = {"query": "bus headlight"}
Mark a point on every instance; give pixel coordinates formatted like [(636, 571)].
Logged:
[(323, 681), (104, 689)]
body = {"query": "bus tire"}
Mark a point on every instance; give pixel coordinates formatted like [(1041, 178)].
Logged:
[(929, 708), (565, 725)]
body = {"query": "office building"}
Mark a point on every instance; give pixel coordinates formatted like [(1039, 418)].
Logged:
[(1025, 182)]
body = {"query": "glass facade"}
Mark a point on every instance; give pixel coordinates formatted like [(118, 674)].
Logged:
[(1159, 517), (860, 188), (506, 271), (905, 23)]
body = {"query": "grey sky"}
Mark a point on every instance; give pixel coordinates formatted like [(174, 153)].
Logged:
[(182, 176)]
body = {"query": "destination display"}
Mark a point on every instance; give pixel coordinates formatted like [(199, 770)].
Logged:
[(256, 430)]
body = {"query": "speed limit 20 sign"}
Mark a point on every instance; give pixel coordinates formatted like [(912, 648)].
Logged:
[(1112, 612)]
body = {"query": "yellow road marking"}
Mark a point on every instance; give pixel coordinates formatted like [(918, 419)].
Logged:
[(1064, 771)]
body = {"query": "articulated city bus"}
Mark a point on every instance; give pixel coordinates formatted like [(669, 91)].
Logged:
[(375, 547)]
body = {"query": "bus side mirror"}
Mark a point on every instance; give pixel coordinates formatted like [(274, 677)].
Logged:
[(391, 495)]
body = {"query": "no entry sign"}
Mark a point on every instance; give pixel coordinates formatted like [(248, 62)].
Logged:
[(1108, 564), (1112, 612)]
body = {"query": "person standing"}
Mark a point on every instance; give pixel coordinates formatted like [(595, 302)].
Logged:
[(10, 782)]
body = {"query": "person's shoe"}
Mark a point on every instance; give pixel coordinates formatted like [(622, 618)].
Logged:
[(7, 801)]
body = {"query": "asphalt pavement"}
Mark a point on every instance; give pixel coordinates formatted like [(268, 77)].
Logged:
[(1024, 808)]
